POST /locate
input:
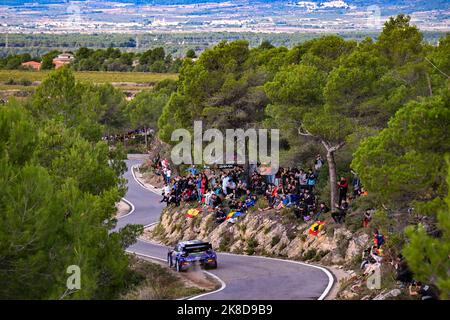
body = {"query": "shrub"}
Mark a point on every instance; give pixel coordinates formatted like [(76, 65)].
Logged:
[(320, 255), (310, 254), (275, 240), (251, 246), (225, 242), (25, 82)]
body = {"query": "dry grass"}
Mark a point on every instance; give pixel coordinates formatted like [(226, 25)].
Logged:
[(94, 76), (153, 281)]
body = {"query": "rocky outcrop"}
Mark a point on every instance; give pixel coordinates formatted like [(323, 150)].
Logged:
[(263, 233)]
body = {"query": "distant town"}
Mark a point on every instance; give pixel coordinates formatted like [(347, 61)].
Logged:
[(97, 16)]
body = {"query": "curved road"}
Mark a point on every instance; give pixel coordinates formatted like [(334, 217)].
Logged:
[(242, 277)]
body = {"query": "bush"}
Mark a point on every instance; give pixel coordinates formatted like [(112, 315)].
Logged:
[(321, 254), (225, 242), (365, 203), (25, 82), (353, 221), (275, 240), (251, 246), (310, 254), (288, 215)]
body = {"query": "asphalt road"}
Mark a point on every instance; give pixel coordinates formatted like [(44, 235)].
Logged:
[(242, 277)]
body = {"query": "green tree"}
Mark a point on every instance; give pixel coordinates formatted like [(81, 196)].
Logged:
[(298, 104), (57, 210), (47, 60), (222, 88), (191, 54), (145, 109), (428, 256), (405, 161)]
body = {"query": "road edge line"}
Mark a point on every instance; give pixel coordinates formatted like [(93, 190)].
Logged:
[(131, 210), (330, 276), (154, 190)]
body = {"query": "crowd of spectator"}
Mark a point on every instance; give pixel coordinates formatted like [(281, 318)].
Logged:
[(235, 189)]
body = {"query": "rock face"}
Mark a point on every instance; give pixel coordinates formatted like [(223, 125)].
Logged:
[(263, 233)]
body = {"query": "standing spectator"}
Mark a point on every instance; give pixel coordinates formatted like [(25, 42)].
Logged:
[(168, 175), (343, 188), (192, 170), (208, 196), (367, 218), (311, 180), (318, 163), (356, 183), (165, 163), (225, 179), (302, 179)]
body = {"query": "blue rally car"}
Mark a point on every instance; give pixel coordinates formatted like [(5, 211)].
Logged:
[(190, 253)]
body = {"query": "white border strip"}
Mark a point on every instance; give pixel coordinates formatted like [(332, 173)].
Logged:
[(153, 189), (131, 210)]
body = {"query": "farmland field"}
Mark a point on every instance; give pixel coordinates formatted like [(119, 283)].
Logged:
[(94, 76)]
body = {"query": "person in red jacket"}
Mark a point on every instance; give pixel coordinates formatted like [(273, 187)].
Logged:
[(342, 188)]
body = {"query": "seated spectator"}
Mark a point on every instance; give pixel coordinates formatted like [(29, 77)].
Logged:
[(366, 258), (322, 210), (250, 201), (404, 274), (186, 194), (376, 253), (378, 238), (220, 214), (426, 292), (172, 199), (301, 210), (216, 200), (339, 215)]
